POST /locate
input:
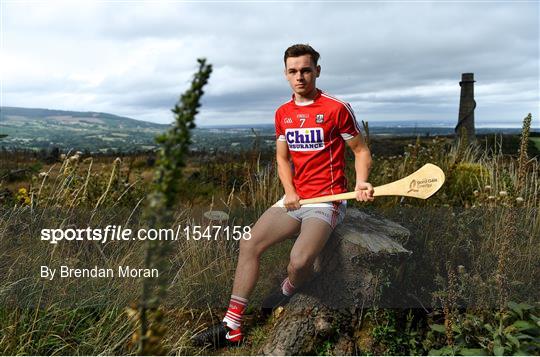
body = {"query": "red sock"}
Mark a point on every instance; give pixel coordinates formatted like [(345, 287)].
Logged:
[(235, 335), (233, 317), (287, 288)]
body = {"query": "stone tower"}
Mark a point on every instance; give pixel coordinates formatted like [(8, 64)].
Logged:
[(466, 107)]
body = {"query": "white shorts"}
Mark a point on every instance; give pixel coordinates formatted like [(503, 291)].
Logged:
[(332, 213)]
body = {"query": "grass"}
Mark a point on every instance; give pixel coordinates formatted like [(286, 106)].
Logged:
[(464, 225), (536, 141)]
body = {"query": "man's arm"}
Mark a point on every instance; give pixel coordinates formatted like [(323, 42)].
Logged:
[(291, 200), (362, 166)]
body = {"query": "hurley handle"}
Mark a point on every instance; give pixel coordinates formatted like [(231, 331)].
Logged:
[(422, 183)]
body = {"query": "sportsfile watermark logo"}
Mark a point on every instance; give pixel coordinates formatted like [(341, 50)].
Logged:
[(305, 139), (118, 233)]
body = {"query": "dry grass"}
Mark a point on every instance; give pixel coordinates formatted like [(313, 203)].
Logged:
[(92, 316)]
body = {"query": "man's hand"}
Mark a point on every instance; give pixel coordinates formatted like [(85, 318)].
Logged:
[(364, 191), (291, 201)]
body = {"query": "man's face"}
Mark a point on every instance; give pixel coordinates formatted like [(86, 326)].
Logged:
[(302, 74)]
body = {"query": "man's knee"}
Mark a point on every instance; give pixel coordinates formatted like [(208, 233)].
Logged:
[(251, 247), (300, 263)]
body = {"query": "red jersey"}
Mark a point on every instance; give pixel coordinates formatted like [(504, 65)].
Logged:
[(316, 134)]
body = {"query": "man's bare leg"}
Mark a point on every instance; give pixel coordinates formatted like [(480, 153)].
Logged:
[(274, 226), (313, 237)]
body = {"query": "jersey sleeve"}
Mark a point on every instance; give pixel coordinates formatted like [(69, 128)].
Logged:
[(348, 127), (280, 133)]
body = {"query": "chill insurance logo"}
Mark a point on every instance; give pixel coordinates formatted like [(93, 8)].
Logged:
[(305, 139)]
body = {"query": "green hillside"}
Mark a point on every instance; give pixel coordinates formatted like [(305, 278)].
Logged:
[(32, 128)]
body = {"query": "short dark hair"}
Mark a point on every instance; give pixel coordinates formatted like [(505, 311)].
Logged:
[(300, 50)]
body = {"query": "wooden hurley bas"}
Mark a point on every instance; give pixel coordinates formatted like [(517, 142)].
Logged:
[(422, 183)]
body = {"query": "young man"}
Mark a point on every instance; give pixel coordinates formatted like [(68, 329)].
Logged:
[(312, 129)]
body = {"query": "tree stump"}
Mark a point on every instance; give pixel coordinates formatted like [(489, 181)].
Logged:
[(350, 274)]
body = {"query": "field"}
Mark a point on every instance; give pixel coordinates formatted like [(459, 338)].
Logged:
[(536, 142), (471, 286)]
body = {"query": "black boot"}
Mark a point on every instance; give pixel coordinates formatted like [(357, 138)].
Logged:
[(218, 336), (273, 301)]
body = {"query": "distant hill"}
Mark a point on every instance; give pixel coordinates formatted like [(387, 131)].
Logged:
[(35, 129), (32, 128)]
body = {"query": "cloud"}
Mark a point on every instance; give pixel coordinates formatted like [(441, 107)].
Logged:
[(399, 60)]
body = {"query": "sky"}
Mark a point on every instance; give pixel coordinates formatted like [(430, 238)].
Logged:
[(391, 60)]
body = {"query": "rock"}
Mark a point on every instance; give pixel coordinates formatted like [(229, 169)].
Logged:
[(351, 270)]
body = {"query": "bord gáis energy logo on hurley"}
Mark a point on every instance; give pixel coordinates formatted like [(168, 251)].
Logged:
[(305, 139), (425, 183)]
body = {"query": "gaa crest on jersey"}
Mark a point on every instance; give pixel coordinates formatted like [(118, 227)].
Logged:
[(319, 118), (305, 139), (287, 120)]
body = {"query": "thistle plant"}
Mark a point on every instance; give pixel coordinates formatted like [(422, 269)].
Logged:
[(522, 161), (174, 145), (366, 135), (504, 257), (449, 304)]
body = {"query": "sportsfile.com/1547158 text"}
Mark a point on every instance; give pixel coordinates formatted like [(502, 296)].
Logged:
[(117, 233)]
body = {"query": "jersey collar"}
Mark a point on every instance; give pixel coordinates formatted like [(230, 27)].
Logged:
[(317, 96)]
